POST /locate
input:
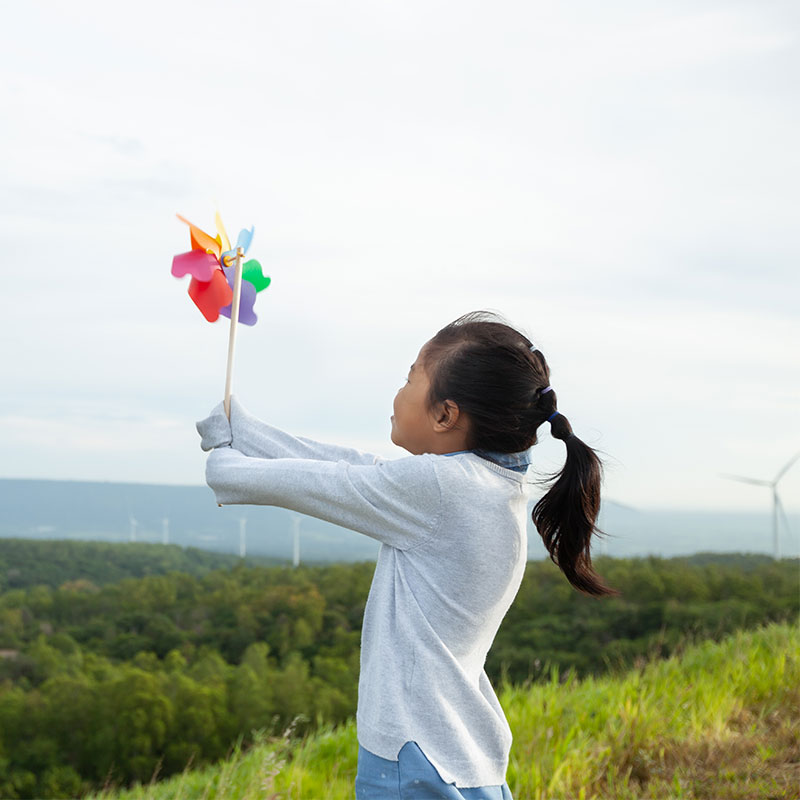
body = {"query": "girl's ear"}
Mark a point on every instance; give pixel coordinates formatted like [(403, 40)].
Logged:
[(446, 416)]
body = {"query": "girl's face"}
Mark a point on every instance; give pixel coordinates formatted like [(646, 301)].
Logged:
[(412, 423)]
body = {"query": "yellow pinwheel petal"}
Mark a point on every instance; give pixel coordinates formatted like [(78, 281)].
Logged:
[(224, 240)]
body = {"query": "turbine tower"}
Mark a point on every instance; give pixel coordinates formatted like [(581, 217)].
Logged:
[(777, 505), (242, 536), (165, 530), (296, 520), (133, 525)]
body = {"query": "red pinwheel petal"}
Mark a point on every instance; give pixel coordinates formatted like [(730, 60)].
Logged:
[(210, 296)]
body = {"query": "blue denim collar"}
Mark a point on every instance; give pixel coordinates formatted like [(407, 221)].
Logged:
[(519, 462)]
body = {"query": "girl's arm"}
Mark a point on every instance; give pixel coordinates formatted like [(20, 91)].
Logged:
[(397, 502), (255, 438)]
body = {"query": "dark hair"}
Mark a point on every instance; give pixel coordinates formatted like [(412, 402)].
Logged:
[(490, 371)]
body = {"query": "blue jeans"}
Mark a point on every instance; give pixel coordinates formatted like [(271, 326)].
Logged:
[(413, 777)]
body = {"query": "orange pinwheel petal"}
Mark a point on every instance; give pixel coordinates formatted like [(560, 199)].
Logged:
[(200, 239)]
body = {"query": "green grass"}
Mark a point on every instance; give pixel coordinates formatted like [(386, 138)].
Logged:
[(719, 721)]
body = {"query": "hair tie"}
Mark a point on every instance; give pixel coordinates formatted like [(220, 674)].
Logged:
[(554, 414), (545, 391)]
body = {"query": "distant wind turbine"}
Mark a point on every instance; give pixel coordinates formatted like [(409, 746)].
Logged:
[(134, 524), (242, 537), (296, 520), (777, 505), (602, 544)]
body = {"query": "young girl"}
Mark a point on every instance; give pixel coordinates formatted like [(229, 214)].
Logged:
[(452, 522)]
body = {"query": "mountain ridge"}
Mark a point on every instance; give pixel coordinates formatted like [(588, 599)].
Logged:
[(68, 509)]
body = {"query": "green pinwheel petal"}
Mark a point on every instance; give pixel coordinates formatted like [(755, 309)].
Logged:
[(251, 271)]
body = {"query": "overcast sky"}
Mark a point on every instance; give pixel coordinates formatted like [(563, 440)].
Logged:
[(619, 179)]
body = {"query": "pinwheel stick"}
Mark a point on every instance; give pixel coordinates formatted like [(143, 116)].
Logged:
[(237, 293)]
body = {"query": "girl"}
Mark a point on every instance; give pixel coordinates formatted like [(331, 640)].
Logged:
[(451, 520)]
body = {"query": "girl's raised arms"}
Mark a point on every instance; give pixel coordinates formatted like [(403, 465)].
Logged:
[(397, 502), (255, 438)]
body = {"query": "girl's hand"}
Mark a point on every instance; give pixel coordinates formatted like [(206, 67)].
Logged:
[(215, 429)]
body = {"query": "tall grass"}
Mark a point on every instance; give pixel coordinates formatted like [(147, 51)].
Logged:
[(721, 720)]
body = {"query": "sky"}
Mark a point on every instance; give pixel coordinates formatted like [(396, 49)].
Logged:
[(619, 180)]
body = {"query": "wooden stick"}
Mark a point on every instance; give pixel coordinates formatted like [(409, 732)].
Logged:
[(237, 293)]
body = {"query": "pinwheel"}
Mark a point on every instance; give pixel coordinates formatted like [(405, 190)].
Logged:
[(211, 263), (221, 283)]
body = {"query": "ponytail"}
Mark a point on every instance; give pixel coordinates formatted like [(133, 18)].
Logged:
[(565, 517)]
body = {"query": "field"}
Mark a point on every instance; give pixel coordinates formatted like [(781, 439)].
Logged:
[(719, 721)]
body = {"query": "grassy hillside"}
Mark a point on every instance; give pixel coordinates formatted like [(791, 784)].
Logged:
[(720, 720)]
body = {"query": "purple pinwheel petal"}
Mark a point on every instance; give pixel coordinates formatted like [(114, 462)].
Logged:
[(246, 301)]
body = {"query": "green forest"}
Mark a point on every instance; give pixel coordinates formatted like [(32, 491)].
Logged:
[(114, 681)]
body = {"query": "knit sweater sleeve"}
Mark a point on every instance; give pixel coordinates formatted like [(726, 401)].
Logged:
[(258, 439), (397, 502)]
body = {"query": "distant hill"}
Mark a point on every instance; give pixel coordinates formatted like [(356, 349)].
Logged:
[(118, 512), (103, 511)]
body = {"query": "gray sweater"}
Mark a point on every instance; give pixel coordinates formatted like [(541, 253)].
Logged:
[(453, 534)]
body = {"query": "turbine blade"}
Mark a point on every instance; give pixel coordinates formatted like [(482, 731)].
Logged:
[(621, 505), (745, 480), (786, 468)]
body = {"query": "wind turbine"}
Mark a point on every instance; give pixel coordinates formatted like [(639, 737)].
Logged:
[(242, 536), (296, 520), (777, 505), (133, 525)]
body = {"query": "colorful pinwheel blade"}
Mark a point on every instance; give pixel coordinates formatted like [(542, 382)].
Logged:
[(200, 239), (210, 296), (247, 300), (251, 271), (197, 263), (221, 234), (245, 237)]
